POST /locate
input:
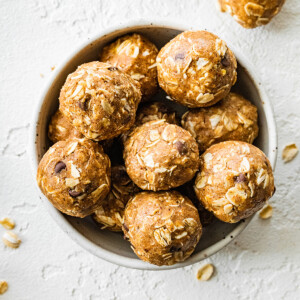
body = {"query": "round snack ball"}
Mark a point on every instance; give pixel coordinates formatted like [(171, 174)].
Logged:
[(196, 69), (75, 176), (60, 128), (160, 156), (99, 100), (110, 214), (233, 118), (252, 13), (163, 228), (136, 56), (151, 112), (235, 181)]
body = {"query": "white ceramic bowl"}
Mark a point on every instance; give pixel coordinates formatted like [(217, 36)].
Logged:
[(111, 246)]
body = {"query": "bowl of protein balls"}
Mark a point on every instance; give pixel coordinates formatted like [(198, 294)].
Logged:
[(154, 145)]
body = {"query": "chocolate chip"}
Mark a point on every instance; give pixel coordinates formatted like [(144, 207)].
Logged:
[(240, 178), (59, 166), (225, 62), (181, 147), (179, 56), (112, 68), (84, 104), (175, 249), (74, 193), (125, 227)]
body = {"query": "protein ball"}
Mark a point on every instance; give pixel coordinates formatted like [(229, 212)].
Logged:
[(235, 181), (151, 112), (110, 213), (136, 56), (252, 13), (75, 176), (99, 100), (61, 129), (196, 69), (163, 228), (233, 118), (160, 156)]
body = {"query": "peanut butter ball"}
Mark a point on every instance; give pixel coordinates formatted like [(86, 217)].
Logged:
[(60, 128), (235, 180), (160, 156), (233, 118), (75, 176), (163, 228), (196, 69), (136, 56), (252, 13), (99, 100), (151, 112), (110, 214)]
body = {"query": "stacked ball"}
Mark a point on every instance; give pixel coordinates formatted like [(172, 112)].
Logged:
[(99, 112)]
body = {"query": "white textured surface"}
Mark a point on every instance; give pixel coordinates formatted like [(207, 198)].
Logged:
[(262, 263)]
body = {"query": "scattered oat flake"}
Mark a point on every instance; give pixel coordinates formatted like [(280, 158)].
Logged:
[(266, 212), (3, 286), (205, 272), (10, 239), (289, 152), (53, 68), (7, 223)]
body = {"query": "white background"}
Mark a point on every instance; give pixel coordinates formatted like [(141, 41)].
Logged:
[(262, 263)]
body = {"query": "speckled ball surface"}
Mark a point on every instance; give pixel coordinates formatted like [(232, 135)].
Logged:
[(252, 13), (75, 176), (110, 214), (196, 68), (60, 129), (232, 118), (160, 156), (99, 100), (163, 227), (135, 55), (235, 180)]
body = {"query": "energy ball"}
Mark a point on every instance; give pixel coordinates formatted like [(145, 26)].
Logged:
[(196, 69), (151, 112), (252, 13), (136, 56), (99, 100), (110, 214), (163, 228), (235, 181), (60, 128), (233, 118), (160, 156), (75, 176)]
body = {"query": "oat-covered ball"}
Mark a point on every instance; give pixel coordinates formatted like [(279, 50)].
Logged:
[(75, 176), (99, 100), (151, 112), (160, 156), (61, 129), (235, 180), (163, 227), (252, 13), (196, 68), (136, 56), (233, 118), (110, 214)]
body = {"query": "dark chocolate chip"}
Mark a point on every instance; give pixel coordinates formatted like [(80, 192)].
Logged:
[(84, 104), (179, 56), (175, 249), (225, 62), (59, 166), (125, 227), (181, 147), (112, 68), (240, 178), (74, 193)]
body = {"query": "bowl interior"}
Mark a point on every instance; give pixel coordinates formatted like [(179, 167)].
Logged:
[(112, 246)]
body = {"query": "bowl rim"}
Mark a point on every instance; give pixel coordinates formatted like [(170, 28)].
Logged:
[(59, 218)]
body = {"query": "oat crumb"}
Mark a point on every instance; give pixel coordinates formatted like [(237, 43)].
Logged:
[(266, 212), (205, 272), (3, 287)]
